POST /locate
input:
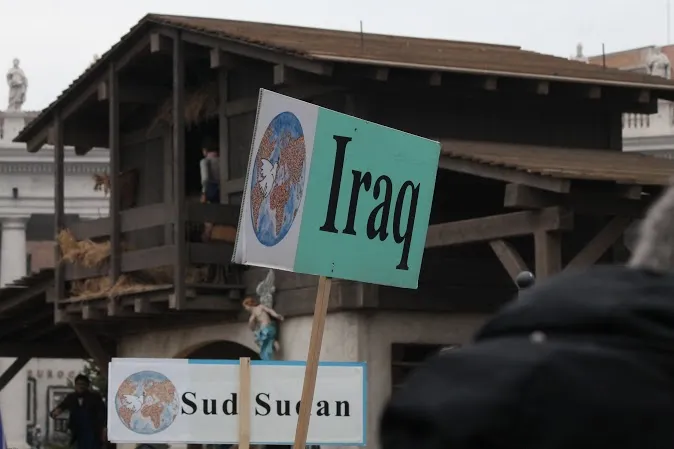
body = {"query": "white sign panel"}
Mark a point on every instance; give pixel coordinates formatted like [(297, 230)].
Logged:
[(196, 401)]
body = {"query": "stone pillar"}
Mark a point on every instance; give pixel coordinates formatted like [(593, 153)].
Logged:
[(13, 405), (13, 250)]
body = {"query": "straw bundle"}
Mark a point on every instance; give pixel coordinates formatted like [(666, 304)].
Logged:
[(200, 105), (92, 254)]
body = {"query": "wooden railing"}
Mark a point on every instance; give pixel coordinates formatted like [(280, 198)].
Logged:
[(154, 215)]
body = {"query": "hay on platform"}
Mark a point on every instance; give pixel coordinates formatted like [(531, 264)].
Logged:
[(201, 104), (92, 254), (86, 252)]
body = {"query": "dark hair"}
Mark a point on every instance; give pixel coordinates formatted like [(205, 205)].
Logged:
[(209, 144), (82, 378)]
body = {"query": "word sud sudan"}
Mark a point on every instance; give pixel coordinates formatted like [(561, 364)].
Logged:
[(263, 405)]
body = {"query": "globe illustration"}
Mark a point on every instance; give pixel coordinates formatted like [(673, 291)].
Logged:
[(277, 180), (147, 402)]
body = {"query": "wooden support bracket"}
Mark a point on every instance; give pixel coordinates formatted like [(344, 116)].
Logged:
[(601, 243), (93, 346), (509, 257), (13, 370), (134, 94), (160, 43)]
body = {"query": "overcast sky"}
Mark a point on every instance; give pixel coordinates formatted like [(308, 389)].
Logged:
[(56, 39)]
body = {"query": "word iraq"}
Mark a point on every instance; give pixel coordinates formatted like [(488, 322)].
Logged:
[(264, 406), (377, 222)]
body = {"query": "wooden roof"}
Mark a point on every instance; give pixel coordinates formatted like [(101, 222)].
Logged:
[(566, 163), (408, 52), (322, 46)]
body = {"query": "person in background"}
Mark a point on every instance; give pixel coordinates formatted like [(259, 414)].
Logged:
[(209, 167), (87, 415)]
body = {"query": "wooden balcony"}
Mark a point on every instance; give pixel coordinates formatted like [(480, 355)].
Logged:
[(147, 264)]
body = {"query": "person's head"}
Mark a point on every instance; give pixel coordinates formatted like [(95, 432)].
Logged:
[(249, 303), (16, 62), (82, 384), (208, 146)]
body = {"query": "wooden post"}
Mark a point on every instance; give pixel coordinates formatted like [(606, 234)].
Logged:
[(59, 211), (179, 228), (244, 403), (92, 345), (113, 143), (315, 342), (223, 132), (548, 253)]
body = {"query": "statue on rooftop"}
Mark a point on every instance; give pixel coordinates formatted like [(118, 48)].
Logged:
[(18, 85), (658, 64)]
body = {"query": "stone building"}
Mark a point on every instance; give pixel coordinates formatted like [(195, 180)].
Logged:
[(650, 134), (27, 246)]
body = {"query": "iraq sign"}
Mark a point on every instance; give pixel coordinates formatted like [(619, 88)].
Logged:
[(332, 195), (186, 401)]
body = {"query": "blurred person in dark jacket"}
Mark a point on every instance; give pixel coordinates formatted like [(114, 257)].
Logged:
[(87, 418), (581, 360)]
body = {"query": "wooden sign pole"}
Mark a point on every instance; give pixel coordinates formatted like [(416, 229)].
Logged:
[(244, 403), (315, 342)]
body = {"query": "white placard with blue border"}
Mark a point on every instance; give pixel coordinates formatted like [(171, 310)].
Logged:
[(189, 401)]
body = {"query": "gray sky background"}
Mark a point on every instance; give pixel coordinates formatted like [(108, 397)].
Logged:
[(56, 39)]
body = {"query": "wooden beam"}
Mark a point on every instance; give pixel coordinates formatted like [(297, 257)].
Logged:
[(179, 227), (548, 253), (585, 203), (59, 210), (134, 94), (114, 309), (435, 79), (160, 43), (94, 348), (215, 253), (509, 258), (644, 96), (504, 174), (489, 83), (36, 142), (594, 92), (135, 219), (80, 137), (89, 312), (379, 73), (542, 88), (214, 303), (256, 52), (22, 324), (498, 227), (600, 243), (227, 61), (115, 187), (59, 350), (12, 370), (285, 76), (223, 130), (304, 92), (145, 307)]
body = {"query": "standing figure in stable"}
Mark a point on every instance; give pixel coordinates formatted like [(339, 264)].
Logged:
[(263, 323), (209, 167)]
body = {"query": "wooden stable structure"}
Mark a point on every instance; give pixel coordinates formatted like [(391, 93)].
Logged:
[(531, 176)]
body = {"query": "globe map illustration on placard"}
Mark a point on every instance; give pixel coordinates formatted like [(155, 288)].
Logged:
[(147, 402), (277, 179)]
